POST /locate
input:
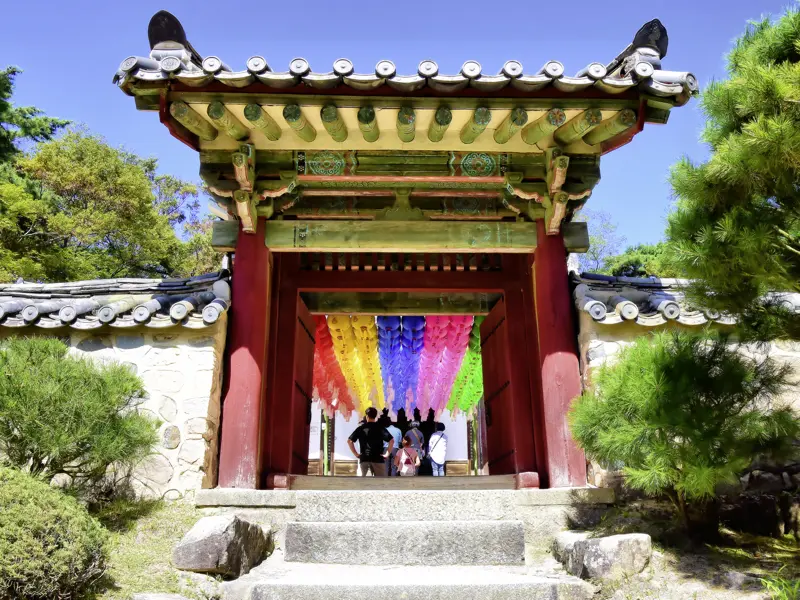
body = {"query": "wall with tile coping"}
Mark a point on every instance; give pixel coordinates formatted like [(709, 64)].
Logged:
[(599, 344), (182, 373)]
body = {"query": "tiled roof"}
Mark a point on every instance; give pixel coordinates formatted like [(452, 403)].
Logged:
[(649, 302), (173, 58), (195, 303)]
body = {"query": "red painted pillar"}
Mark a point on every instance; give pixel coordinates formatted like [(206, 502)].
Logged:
[(558, 359), (247, 347)]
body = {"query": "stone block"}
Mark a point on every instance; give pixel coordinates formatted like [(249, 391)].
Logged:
[(129, 342), (564, 542), (225, 545), (94, 343), (163, 380), (168, 409), (156, 468), (196, 427), (148, 596), (612, 557), (198, 584), (170, 437), (192, 452), (429, 543)]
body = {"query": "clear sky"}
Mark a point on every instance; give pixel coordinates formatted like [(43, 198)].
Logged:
[(69, 52)]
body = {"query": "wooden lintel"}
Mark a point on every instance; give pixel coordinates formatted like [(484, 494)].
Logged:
[(400, 236), (401, 281), (399, 303), (224, 235)]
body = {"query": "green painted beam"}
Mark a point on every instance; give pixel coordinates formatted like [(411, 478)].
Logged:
[(226, 121), (576, 236), (368, 123), (543, 126), (578, 126), (189, 118), (406, 124), (624, 119), (224, 235), (476, 125), (262, 121), (439, 124), (400, 236), (399, 303), (295, 118), (511, 124), (333, 123)]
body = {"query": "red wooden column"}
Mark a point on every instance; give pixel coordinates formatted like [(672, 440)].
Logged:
[(558, 359), (247, 347)]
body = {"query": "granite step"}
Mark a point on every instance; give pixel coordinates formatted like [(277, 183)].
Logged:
[(405, 505), (430, 543), (276, 580)]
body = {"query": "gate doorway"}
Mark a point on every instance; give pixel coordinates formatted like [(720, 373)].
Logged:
[(491, 286)]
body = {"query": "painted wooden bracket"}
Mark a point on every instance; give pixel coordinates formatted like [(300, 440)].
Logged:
[(555, 211), (401, 210), (557, 165), (246, 209), (244, 167)]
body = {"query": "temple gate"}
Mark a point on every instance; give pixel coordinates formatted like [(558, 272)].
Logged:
[(384, 194)]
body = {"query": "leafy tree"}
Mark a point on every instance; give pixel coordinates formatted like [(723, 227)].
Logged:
[(79, 209), (21, 123), (643, 260), (683, 413), (604, 241), (60, 414), (736, 226)]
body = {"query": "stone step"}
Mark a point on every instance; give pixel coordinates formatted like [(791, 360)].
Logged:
[(296, 581), (330, 506), (407, 542)]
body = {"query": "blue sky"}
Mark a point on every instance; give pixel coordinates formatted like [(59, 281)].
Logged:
[(69, 52)]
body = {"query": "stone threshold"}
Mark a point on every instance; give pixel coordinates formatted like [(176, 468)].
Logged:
[(287, 499)]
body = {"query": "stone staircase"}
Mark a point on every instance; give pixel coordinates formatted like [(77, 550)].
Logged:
[(405, 544)]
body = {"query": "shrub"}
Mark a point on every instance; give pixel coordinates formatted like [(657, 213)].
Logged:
[(684, 413), (61, 414), (50, 548)]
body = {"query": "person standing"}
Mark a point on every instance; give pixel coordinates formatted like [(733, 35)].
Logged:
[(370, 437), (406, 461), (417, 440), (437, 450), (398, 439)]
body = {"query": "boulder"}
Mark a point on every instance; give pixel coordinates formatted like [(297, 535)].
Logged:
[(611, 557), (563, 545), (762, 481), (225, 545), (198, 584)]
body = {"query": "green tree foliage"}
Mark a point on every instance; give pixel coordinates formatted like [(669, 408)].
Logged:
[(61, 414), (50, 547), (644, 260), (604, 241), (21, 123), (736, 226), (684, 413), (79, 209)]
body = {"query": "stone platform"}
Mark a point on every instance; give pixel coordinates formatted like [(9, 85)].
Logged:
[(278, 580)]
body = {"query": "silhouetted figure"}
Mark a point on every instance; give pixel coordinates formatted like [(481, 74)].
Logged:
[(370, 437)]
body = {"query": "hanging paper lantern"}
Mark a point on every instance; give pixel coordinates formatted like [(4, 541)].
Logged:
[(366, 336), (405, 377), (468, 387), (346, 349), (330, 386), (457, 340), (389, 353)]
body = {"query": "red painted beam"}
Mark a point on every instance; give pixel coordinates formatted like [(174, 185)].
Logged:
[(388, 281), (558, 358), (244, 392)]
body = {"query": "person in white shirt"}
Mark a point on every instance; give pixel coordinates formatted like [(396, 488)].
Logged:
[(437, 450)]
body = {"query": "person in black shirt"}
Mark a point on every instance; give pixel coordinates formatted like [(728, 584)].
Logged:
[(370, 437)]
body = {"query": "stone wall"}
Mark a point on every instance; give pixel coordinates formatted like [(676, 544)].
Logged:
[(182, 372), (599, 344)]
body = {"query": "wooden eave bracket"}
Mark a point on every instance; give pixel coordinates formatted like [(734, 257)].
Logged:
[(246, 209), (244, 167)]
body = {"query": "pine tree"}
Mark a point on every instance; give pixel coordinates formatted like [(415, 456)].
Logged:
[(736, 227), (21, 122), (683, 413)]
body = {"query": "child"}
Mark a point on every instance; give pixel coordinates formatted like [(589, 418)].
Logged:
[(407, 459)]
